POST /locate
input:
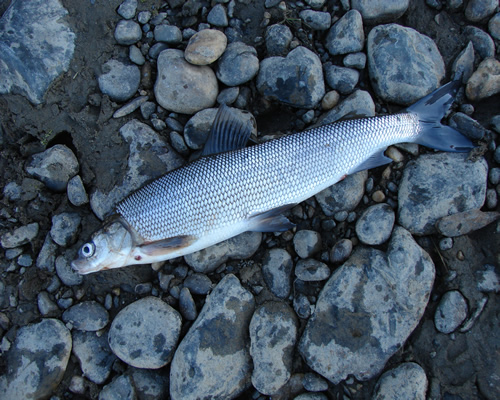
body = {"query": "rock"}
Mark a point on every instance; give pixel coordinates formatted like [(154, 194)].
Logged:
[(316, 20), (94, 355), (45, 305), (150, 384), (330, 100), (465, 222), (273, 333), (135, 55), (66, 274), (198, 284), (463, 66), (359, 104), (314, 383), (19, 236), (488, 280), (494, 26), (278, 38), (344, 195), (342, 79), (478, 10), (169, 34), (403, 64), (436, 185), (130, 107), (483, 44), (277, 272), (228, 96), (311, 270), (278, 78), (218, 16), (120, 388), (355, 60), (467, 126), (205, 47), (450, 312), (187, 306), (127, 9), (87, 316), (142, 167), (306, 243), (144, 16), (406, 381), (380, 11), (375, 225), (341, 251), (346, 35), (54, 167), (182, 87), (64, 228), (242, 246), (238, 64), (214, 353), (370, 287), (485, 81), (127, 32), (37, 360), (311, 396), (76, 191), (36, 46), (144, 333), (119, 81), (47, 256)]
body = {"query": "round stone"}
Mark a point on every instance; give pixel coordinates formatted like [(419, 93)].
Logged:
[(205, 47), (119, 81)]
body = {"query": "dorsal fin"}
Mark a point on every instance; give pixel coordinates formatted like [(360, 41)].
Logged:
[(228, 132)]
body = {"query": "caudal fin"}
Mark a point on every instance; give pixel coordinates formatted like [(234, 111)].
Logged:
[(430, 110)]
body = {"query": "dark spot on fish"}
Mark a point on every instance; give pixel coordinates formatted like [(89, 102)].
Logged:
[(138, 258)]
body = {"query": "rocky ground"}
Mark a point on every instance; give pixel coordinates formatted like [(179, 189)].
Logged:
[(387, 287)]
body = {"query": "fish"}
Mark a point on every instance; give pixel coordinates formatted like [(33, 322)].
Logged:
[(233, 188)]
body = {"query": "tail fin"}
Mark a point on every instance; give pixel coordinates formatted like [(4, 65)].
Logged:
[(430, 110)]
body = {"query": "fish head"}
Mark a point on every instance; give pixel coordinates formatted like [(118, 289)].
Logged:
[(110, 247)]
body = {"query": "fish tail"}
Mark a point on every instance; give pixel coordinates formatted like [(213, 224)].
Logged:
[(430, 110)]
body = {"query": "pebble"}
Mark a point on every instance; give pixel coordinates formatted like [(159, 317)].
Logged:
[(19, 236), (461, 183), (330, 100), (445, 244), (403, 64), (218, 16), (25, 260), (150, 384), (77, 385), (450, 312), (355, 60), (379, 11), (467, 126), (316, 20), (465, 222), (314, 383), (54, 167), (483, 44), (307, 243), (127, 32), (47, 256), (346, 35), (198, 284), (375, 224), (488, 280), (77, 194), (187, 306), (406, 381), (463, 66), (144, 333), (127, 9), (360, 104), (168, 34), (64, 229), (491, 199), (143, 17), (341, 251), (205, 47), (156, 50), (86, 316), (278, 39), (119, 81), (494, 26), (311, 270), (311, 396), (485, 81), (369, 286), (478, 10), (239, 64), (217, 368), (120, 388), (130, 107), (66, 274), (46, 306), (273, 334), (341, 79), (494, 176), (277, 268)]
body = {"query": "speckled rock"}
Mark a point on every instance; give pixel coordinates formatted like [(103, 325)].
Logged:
[(359, 104), (346, 35), (205, 47), (127, 32), (306, 243), (127, 9), (150, 384), (316, 20), (65, 228), (465, 222), (66, 274), (311, 270), (86, 316), (484, 46), (379, 11), (406, 381), (77, 194), (119, 80), (485, 81), (463, 65), (478, 10), (278, 38), (450, 312), (238, 64), (342, 79), (341, 251), (120, 388), (19, 236), (277, 272), (168, 34), (374, 225)]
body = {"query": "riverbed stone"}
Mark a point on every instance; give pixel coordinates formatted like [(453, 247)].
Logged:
[(375, 224), (380, 11), (465, 222), (406, 381), (306, 243), (65, 228), (346, 35), (119, 80), (450, 312), (359, 104), (478, 10), (278, 38), (277, 268), (205, 47), (19, 236), (485, 81), (238, 64), (316, 20), (89, 316), (311, 270), (120, 388), (127, 32)]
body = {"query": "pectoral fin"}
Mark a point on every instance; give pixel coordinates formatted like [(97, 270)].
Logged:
[(271, 221), (166, 246), (375, 160)]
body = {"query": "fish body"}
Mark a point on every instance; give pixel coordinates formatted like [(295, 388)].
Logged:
[(247, 189)]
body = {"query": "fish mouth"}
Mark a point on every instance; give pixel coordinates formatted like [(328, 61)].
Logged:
[(83, 267)]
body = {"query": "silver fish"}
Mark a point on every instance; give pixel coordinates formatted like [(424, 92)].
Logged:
[(232, 189)]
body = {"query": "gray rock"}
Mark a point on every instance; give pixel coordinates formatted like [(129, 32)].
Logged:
[(45, 305), (307, 243), (119, 81), (66, 274), (494, 26), (360, 104), (488, 280), (77, 195), (130, 107), (406, 381), (86, 316), (25, 260), (379, 11), (144, 333), (135, 55), (450, 312), (278, 38), (94, 355), (47, 256), (147, 109), (311, 270), (198, 284), (478, 10), (214, 352), (311, 396), (36, 46), (150, 384), (239, 247), (277, 272), (467, 126), (483, 43), (437, 185), (54, 167), (169, 34), (346, 35), (316, 4), (127, 32), (375, 225), (143, 17), (494, 176), (446, 244), (316, 20), (64, 228), (156, 49), (341, 251), (205, 47), (273, 333), (355, 60), (374, 301), (127, 9), (218, 16), (278, 78), (314, 383), (465, 222), (187, 306), (485, 81), (491, 199), (19, 236), (228, 96), (36, 361), (120, 388), (182, 87), (238, 64), (178, 143), (343, 196), (342, 79), (463, 66), (403, 64), (142, 167)]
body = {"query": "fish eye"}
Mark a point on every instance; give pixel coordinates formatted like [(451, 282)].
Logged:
[(88, 249)]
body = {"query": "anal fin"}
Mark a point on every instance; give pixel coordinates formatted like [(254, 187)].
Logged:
[(271, 220)]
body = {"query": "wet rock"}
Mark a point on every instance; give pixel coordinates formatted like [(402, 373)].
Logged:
[(87, 316), (187, 306), (205, 47), (478, 10), (54, 167), (306, 243), (467, 126), (36, 361), (330, 100), (214, 353), (47, 256), (182, 87), (77, 194), (135, 55), (465, 222), (144, 334), (127, 9), (485, 81), (66, 274), (139, 136), (278, 78), (316, 20), (463, 66), (273, 333), (346, 35), (238, 64), (342, 79), (355, 60), (360, 104), (94, 355), (437, 185), (119, 81), (379, 11), (406, 381), (169, 34), (130, 107), (343, 196), (120, 388), (150, 384), (311, 270), (482, 42), (278, 38), (29, 62), (277, 272), (127, 32), (198, 284), (341, 251), (228, 96), (450, 312), (45, 305), (494, 26), (242, 247), (19, 236), (65, 228), (314, 383), (488, 280), (375, 225), (403, 64), (370, 287)]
